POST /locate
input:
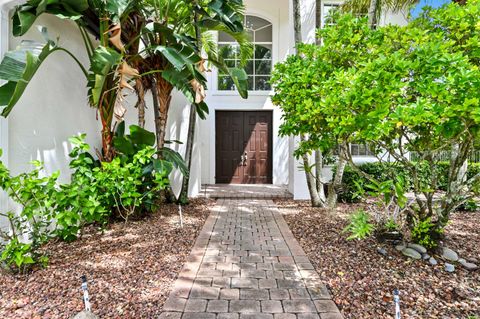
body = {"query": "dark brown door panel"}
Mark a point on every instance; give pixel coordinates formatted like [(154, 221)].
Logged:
[(243, 147)]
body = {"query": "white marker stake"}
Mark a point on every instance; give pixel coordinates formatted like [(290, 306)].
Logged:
[(86, 298), (396, 298)]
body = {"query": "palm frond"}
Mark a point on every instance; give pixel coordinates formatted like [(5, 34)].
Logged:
[(360, 7)]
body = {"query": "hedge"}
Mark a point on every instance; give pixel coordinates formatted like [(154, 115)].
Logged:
[(382, 171)]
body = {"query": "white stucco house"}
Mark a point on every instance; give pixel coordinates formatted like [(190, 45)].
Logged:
[(54, 107)]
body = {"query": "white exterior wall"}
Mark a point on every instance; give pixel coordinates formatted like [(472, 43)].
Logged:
[(276, 12)]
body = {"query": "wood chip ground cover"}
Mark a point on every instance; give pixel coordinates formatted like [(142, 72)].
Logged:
[(362, 281), (131, 268)]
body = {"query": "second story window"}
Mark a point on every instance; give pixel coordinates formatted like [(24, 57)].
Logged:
[(259, 68), (328, 9)]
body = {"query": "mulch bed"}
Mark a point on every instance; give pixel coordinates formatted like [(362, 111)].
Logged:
[(362, 281), (131, 268)]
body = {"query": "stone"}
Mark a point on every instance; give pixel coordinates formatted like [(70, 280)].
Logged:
[(433, 261), (412, 253), (417, 247), (382, 251), (272, 306), (85, 315), (467, 265), (244, 306), (400, 247), (217, 306), (449, 254), (299, 306), (426, 256), (449, 268)]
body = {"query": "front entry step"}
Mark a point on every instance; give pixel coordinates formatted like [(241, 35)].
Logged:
[(226, 191)]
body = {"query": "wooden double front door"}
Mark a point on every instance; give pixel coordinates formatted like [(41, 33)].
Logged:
[(243, 147)]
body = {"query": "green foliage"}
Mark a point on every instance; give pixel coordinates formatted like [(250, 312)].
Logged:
[(354, 185), (36, 196), (422, 233), (18, 254), (97, 192), (391, 225), (399, 89), (138, 139), (470, 205), (359, 226)]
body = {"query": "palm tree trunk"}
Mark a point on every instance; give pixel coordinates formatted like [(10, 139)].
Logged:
[(188, 154), (140, 90), (297, 21), (191, 130), (162, 96), (318, 18), (372, 13)]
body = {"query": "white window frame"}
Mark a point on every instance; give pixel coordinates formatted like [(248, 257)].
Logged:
[(328, 3), (215, 74)]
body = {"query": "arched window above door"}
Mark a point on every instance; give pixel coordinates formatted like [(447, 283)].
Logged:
[(259, 67)]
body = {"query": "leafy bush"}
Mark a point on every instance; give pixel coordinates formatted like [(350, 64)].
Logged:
[(30, 228), (382, 172), (422, 233), (128, 184), (470, 205), (359, 226)]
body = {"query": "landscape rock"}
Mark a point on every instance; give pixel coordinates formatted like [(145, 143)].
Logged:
[(433, 261), (85, 315), (467, 265), (449, 254), (426, 256), (382, 251), (417, 247), (449, 268), (400, 247), (412, 253)]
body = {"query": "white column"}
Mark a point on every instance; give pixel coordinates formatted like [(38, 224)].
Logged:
[(4, 37)]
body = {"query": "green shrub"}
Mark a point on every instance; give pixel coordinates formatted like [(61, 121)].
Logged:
[(470, 205), (350, 193), (422, 233), (128, 185), (359, 226), (30, 228)]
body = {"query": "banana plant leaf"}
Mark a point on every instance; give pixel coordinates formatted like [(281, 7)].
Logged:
[(239, 76), (131, 144), (176, 159), (18, 68), (102, 63), (26, 14), (225, 12)]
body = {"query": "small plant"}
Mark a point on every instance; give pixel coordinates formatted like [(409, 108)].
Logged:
[(30, 227), (359, 226), (422, 233), (469, 206), (391, 225)]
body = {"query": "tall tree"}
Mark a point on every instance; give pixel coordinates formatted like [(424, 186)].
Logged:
[(107, 73)]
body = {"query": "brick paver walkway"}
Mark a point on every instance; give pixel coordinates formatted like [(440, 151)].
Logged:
[(246, 264)]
